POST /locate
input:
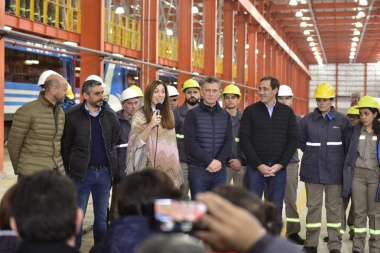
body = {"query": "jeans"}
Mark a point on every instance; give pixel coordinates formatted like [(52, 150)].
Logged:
[(201, 180), (255, 182), (98, 183)]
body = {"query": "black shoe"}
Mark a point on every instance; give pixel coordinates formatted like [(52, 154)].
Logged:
[(335, 251), (351, 237), (295, 238), (310, 249)]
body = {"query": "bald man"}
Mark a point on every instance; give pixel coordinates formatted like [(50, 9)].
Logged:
[(35, 138)]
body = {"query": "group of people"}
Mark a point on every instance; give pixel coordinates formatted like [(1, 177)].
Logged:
[(201, 146)]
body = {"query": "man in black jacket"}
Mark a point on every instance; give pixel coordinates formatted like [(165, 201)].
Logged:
[(89, 153), (268, 139), (208, 140)]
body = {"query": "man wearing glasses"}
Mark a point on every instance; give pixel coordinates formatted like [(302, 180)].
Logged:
[(321, 138), (268, 139)]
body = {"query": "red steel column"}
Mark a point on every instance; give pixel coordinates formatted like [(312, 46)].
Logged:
[(149, 41), (252, 66), (185, 40), (210, 9), (228, 39), (92, 37), (241, 52)]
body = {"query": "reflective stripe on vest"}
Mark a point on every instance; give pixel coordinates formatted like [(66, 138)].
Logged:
[(293, 220), (360, 230), (313, 144), (237, 139), (374, 231), (374, 138), (180, 136), (313, 225), (352, 227), (362, 137), (334, 143), (334, 225), (342, 232)]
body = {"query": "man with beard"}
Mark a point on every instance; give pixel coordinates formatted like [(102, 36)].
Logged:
[(235, 169), (89, 153), (190, 89), (39, 123)]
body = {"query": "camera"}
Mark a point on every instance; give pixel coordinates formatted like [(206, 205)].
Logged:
[(178, 215)]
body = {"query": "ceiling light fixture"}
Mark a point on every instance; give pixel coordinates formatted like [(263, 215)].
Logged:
[(352, 53), (353, 49), (356, 32), (363, 2), (358, 24), (361, 14), (293, 2), (306, 32), (354, 44), (316, 53), (355, 39), (299, 14), (351, 57), (310, 38), (195, 10), (312, 44), (119, 10), (314, 49), (303, 24)]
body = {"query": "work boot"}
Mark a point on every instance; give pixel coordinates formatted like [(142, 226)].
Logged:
[(310, 249), (295, 238)]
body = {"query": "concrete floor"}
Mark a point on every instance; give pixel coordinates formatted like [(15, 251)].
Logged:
[(7, 178)]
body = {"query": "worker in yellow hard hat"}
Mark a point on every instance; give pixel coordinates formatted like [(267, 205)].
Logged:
[(191, 91), (353, 115), (321, 137), (361, 175), (69, 99), (236, 163)]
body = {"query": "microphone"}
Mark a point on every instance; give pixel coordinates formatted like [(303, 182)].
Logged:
[(159, 108)]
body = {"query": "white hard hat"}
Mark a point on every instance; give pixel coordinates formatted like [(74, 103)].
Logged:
[(285, 91), (172, 91), (45, 75), (129, 93), (96, 78)]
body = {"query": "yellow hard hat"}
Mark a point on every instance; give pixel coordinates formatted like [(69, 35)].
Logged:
[(231, 89), (136, 88), (353, 111), (368, 102), (324, 90), (190, 83), (70, 93)]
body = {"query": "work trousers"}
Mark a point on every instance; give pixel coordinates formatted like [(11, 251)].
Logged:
[(292, 218), (363, 190), (347, 221), (333, 201), (185, 187), (236, 175), (114, 212)]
